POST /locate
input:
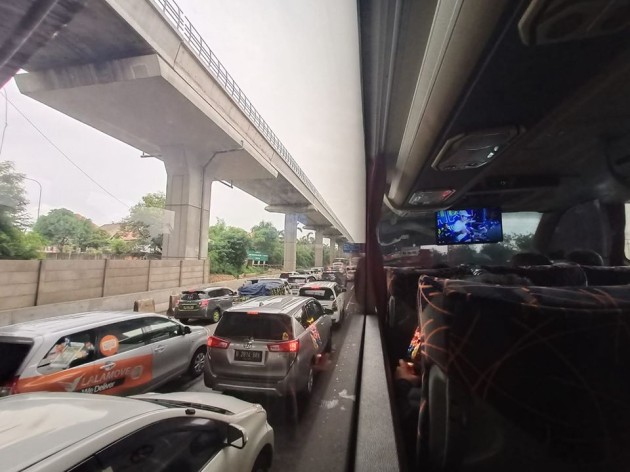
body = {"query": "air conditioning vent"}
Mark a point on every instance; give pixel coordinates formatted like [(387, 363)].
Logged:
[(473, 150)]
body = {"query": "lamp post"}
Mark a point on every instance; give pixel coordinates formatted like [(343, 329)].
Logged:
[(39, 201)]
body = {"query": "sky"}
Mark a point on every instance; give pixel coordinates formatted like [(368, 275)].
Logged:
[(298, 62)]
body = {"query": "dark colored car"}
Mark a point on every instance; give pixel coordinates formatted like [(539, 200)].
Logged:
[(209, 304), (262, 288)]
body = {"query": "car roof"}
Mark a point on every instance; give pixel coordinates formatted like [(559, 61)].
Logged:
[(37, 425), (69, 322), (271, 304), (321, 283), (215, 288)]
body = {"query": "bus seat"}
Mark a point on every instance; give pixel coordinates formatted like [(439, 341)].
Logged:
[(403, 305), (559, 275), (601, 275), (524, 378)]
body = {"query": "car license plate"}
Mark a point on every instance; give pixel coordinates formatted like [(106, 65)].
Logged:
[(188, 307), (248, 356)]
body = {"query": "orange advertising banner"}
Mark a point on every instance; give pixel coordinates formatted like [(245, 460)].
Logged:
[(95, 377)]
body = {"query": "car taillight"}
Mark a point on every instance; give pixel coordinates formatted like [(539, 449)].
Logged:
[(9, 388), (218, 343), (287, 346), (203, 303)]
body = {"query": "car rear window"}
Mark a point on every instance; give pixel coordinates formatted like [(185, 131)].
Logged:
[(297, 280), (12, 355), (268, 326), (323, 293), (192, 296)]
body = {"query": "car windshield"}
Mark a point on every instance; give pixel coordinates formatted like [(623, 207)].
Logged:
[(259, 326), (169, 403)]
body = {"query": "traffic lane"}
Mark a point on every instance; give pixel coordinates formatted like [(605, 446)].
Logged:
[(319, 437)]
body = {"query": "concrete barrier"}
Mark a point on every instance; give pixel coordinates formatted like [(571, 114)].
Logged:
[(146, 305), (172, 301)]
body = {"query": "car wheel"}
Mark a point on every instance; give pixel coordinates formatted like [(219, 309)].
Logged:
[(328, 347), (216, 315), (262, 463), (306, 391), (197, 362)]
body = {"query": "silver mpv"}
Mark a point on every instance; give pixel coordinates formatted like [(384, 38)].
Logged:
[(268, 345)]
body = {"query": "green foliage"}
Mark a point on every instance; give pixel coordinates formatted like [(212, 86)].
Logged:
[(265, 238), (501, 253), (13, 199), (305, 253), (61, 228), (16, 244), (227, 248), (146, 221), (119, 247)]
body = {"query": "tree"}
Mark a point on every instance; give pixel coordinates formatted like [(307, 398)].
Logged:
[(15, 244), (501, 253), (119, 247), (61, 227), (227, 248), (305, 251), (146, 221), (265, 238), (12, 195)]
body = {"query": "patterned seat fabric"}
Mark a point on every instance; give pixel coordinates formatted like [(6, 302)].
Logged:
[(560, 275), (607, 275), (548, 368)]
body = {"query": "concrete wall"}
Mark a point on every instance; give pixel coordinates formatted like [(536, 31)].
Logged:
[(111, 303), (34, 283)]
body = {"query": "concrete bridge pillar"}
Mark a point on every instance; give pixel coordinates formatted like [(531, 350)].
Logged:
[(290, 241), (339, 243), (319, 248), (188, 204)]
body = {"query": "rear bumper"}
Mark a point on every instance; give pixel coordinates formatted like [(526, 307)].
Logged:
[(278, 388), (190, 314)]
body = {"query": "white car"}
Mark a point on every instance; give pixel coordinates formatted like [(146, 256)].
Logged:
[(187, 431), (330, 295)]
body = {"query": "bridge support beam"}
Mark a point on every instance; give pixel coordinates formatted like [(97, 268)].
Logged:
[(339, 243), (290, 241), (188, 198), (319, 248)]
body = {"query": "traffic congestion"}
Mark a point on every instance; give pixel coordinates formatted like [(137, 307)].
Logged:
[(220, 355)]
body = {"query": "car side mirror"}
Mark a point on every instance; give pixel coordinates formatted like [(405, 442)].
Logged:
[(186, 330), (344, 289), (236, 436)]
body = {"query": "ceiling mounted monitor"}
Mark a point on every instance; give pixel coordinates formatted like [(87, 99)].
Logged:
[(473, 150)]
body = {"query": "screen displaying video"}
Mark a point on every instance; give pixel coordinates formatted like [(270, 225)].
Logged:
[(470, 226)]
